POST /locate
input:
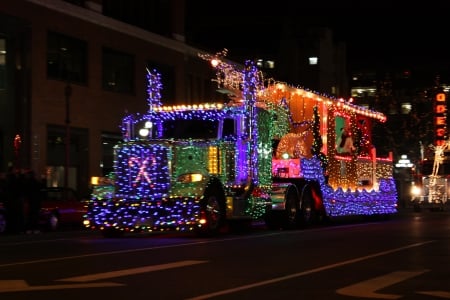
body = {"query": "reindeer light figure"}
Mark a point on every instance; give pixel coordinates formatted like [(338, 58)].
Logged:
[(433, 189)]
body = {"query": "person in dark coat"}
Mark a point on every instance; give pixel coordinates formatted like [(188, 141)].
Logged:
[(13, 201), (32, 196)]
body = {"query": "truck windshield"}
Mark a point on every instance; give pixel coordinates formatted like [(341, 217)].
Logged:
[(190, 129)]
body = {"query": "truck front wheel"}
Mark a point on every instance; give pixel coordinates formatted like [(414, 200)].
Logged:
[(212, 214)]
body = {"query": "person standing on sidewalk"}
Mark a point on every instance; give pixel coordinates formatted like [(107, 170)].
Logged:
[(32, 189)]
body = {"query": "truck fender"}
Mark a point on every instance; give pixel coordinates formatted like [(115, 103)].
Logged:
[(316, 194)]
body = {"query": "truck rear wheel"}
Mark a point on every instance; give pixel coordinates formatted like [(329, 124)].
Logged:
[(291, 212), (307, 212), (287, 218)]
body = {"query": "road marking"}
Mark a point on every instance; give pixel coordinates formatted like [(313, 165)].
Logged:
[(440, 294), (22, 286), (368, 288), (295, 275), (126, 272), (203, 242)]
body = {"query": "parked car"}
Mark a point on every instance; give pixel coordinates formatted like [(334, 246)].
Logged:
[(61, 207)]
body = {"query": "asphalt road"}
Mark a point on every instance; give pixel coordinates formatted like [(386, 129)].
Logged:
[(406, 257)]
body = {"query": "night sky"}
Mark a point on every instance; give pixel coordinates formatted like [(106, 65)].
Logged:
[(387, 33)]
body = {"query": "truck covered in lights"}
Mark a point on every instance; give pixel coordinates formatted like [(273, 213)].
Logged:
[(272, 153)]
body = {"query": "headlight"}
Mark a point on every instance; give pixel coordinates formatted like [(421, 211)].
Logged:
[(416, 191), (190, 177)]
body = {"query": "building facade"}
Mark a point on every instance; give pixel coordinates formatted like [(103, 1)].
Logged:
[(70, 70)]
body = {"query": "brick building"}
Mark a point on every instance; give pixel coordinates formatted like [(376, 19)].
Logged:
[(70, 70)]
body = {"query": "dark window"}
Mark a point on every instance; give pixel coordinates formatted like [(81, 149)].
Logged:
[(66, 58), (190, 129), (228, 128), (118, 71)]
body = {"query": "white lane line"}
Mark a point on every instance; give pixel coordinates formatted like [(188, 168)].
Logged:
[(440, 294), (316, 270), (8, 286), (126, 272), (46, 260), (22, 285), (367, 288)]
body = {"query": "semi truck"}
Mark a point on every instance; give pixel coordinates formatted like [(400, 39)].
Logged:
[(271, 152)]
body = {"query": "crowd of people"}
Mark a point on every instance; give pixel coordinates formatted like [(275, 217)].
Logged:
[(21, 197)]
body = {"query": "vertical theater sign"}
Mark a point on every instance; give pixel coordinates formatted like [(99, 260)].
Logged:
[(440, 119)]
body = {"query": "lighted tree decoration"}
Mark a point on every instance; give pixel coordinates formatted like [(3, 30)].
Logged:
[(154, 88), (250, 88), (362, 141), (317, 142), (357, 141)]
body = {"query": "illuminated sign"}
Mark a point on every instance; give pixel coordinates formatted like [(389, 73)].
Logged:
[(440, 119)]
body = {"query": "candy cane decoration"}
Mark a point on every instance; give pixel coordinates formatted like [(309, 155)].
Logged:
[(142, 164)]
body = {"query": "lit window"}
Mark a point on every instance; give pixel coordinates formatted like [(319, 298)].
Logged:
[(313, 60), (269, 64), (406, 108), (266, 64)]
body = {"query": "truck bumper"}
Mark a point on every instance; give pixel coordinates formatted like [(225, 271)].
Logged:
[(180, 214)]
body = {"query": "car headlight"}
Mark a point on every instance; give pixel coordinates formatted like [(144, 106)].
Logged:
[(190, 177), (416, 191)]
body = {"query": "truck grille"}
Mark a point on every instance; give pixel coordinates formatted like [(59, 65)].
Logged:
[(142, 170)]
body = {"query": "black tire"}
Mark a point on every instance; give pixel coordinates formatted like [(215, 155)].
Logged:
[(308, 214), (287, 218), (213, 211), (291, 212)]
